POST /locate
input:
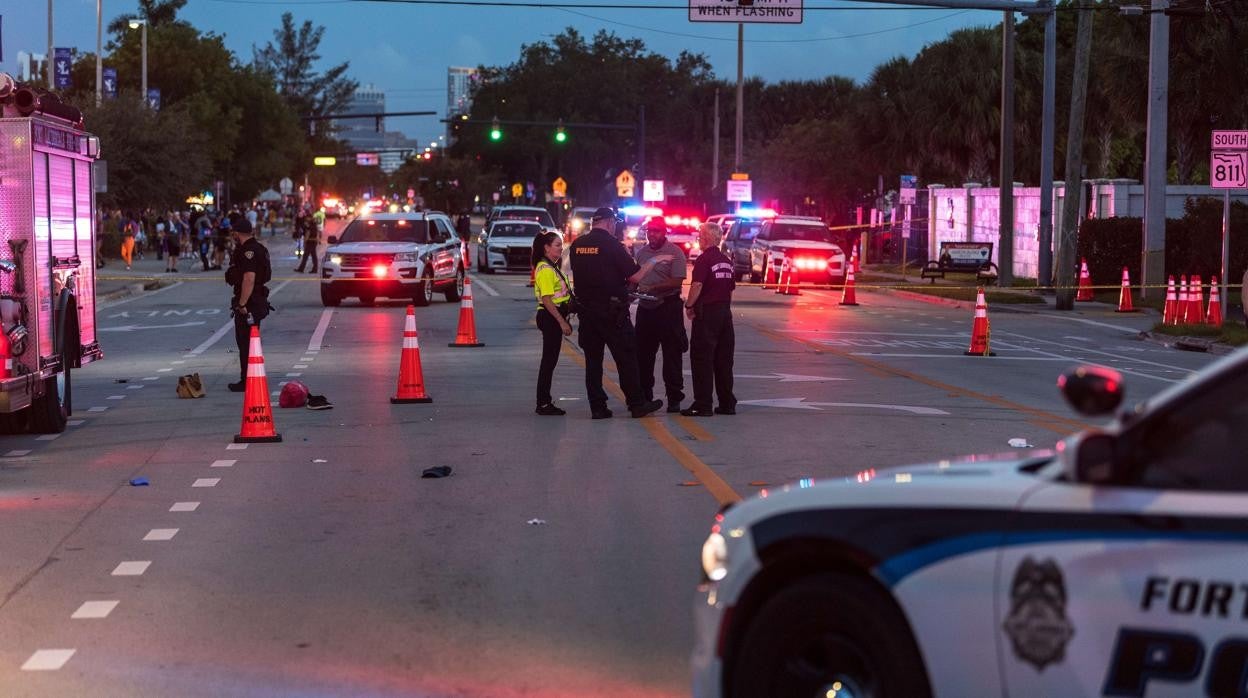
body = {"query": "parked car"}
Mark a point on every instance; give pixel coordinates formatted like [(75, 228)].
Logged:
[(506, 245)]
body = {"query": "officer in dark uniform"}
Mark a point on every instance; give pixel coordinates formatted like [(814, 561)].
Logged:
[(712, 341), (602, 270), (248, 273)]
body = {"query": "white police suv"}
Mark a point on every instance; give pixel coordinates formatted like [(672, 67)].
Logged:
[(1115, 565), (393, 255)]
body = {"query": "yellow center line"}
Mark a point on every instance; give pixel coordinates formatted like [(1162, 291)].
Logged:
[(720, 490), (695, 430)]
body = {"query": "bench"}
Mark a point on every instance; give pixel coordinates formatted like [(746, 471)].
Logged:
[(966, 257)]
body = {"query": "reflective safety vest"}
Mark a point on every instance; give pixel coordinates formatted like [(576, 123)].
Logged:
[(547, 279)]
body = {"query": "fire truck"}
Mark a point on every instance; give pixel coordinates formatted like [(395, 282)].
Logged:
[(47, 257)]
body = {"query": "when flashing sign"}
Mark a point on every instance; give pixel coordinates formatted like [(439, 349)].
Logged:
[(746, 11)]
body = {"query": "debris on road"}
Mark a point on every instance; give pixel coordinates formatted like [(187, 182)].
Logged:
[(1020, 443), (319, 460), (536, 522), (436, 471), (139, 482), (688, 483), (121, 380)]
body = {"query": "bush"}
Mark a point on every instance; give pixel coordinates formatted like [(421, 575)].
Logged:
[(1193, 243)]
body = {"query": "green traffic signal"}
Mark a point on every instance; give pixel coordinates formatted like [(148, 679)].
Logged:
[(561, 136), (496, 134)]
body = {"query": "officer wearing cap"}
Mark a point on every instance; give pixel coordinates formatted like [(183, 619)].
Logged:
[(603, 271), (248, 273), (660, 320)]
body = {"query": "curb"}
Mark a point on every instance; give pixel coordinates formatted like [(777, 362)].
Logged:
[(923, 297), (1196, 344), (133, 289)]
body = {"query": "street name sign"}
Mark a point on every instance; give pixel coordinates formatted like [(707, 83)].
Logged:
[(746, 11)]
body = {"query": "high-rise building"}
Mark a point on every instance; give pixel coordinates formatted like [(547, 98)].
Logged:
[(459, 83), (364, 134), (30, 67)]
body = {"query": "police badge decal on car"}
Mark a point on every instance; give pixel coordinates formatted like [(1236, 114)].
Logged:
[(1037, 624)]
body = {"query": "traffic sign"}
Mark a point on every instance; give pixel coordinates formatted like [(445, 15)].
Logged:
[(1228, 169), (624, 184), (559, 187), (742, 176), (909, 185), (286, 186), (517, 190), (746, 11), (740, 190), (367, 159), (1229, 140), (652, 190)]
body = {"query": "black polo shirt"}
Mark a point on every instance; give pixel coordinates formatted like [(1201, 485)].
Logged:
[(715, 272), (250, 256), (600, 266)]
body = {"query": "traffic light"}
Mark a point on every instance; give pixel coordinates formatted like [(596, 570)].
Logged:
[(496, 131), (561, 136)]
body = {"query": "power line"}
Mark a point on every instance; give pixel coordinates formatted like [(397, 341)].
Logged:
[(538, 4)]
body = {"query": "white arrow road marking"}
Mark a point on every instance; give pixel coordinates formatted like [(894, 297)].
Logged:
[(131, 328), (799, 403)]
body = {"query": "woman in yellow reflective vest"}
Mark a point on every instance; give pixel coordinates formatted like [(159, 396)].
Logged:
[(554, 297)]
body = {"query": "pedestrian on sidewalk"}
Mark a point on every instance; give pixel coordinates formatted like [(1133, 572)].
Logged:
[(127, 240), (713, 343), (554, 305)]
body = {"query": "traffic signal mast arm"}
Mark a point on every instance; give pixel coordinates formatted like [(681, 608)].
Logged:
[(565, 124)]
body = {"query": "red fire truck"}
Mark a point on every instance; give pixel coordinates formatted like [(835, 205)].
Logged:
[(47, 257)]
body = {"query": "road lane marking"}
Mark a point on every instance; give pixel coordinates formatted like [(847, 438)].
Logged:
[(236, 447), (134, 297), (484, 286), (693, 428), (96, 409), (161, 534), (223, 463), (1083, 360), (184, 506), (308, 359), (94, 609), (720, 490), (47, 660), (229, 325), (132, 568), (300, 366), (17, 453), (173, 362), (799, 403), (318, 335), (48, 437), (960, 335), (152, 378), (1103, 353), (960, 356), (75, 422), (135, 387), (116, 397), (206, 482), (296, 374)]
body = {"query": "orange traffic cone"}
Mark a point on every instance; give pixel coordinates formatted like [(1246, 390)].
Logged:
[(853, 259), (1214, 316), (980, 328), (463, 247), (788, 287), (1180, 309), (1085, 282), (411, 377), (1195, 302), (848, 296), (1124, 298), (257, 412), (1170, 315), (466, 336)]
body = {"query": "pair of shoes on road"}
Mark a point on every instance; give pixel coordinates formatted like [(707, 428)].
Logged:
[(549, 410), (697, 412), (645, 408), (319, 402), (238, 387)]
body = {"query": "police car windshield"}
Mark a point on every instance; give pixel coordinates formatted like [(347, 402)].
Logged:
[(515, 230), (373, 230), (540, 217), (815, 233), (747, 231)]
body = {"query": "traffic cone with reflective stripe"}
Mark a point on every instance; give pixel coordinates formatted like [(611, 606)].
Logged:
[(1124, 298), (853, 259), (1180, 308), (1214, 316), (788, 287), (411, 377), (463, 247), (1195, 302), (848, 296), (1170, 315), (258, 425), (1085, 282), (980, 328), (466, 336)]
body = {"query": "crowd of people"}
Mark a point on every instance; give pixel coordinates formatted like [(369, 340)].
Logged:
[(192, 234)]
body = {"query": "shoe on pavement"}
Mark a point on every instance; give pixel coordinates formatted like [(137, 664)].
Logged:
[(697, 412), (645, 408), (318, 402), (603, 413), (725, 410), (549, 410), (238, 387)]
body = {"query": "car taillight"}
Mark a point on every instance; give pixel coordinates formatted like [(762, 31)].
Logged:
[(380, 270), (810, 263)]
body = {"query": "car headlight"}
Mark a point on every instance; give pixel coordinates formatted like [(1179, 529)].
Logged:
[(407, 257), (715, 557), (335, 259)]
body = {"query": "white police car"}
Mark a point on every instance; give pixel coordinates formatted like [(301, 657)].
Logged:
[(406, 255), (1115, 565)]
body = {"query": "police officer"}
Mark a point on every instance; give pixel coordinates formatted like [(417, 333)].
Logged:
[(603, 271), (660, 322), (311, 237), (712, 343), (248, 273)]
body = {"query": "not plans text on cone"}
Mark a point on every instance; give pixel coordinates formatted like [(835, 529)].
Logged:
[(258, 425)]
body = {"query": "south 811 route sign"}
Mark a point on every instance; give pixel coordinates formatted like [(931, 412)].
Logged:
[(747, 11)]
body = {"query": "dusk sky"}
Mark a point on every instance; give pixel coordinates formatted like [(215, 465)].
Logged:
[(405, 49)]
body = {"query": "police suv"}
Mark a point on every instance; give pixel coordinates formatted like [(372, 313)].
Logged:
[(1115, 565), (393, 255)]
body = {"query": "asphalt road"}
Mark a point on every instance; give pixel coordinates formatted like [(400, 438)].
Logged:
[(560, 557)]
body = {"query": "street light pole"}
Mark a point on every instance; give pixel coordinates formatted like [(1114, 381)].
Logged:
[(48, 62)]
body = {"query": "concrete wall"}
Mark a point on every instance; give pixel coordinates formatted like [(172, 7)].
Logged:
[(969, 213)]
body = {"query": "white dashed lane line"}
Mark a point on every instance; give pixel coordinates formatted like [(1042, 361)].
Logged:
[(184, 506), (223, 463), (96, 409), (116, 397), (76, 422), (17, 453), (236, 447), (94, 609), (48, 437), (300, 366), (135, 387), (293, 375), (47, 660), (161, 534), (131, 568), (206, 482), (163, 370)]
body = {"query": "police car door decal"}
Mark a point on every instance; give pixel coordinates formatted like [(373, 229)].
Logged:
[(1125, 592)]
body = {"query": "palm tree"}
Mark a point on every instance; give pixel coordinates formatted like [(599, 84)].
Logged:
[(154, 12)]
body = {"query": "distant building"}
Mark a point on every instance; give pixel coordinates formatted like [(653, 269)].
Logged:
[(364, 134), (30, 67), (459, 83)]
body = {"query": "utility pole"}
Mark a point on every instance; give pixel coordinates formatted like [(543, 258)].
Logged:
[(1154, 253), (1005, 202), (1067, 249), (49, 63), (1045, 237), (99, 52), (715, 150), (736, 156)]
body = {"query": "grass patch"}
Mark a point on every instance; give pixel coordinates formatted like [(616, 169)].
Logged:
[(967, 293), (1235, 335)]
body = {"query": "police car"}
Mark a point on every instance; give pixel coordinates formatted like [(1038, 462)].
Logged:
[(1115, 565), (393, 255)]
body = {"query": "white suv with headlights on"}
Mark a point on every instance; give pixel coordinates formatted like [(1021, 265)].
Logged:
[(805, 242), (393, 255)]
